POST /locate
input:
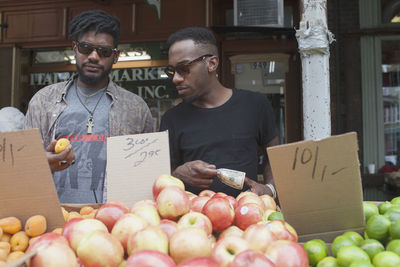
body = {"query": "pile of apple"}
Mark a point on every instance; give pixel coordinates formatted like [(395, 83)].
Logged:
[(177, 228)]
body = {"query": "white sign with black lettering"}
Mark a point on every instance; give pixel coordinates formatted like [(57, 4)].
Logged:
[(133, 163)]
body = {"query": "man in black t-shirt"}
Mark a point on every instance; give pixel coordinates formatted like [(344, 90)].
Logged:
[(214, 127)]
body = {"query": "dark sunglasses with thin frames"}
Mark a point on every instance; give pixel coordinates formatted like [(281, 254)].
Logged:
[(184, 67), (102, 51)]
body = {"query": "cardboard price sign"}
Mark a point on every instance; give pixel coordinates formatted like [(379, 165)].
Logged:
[(319, 185), (27, 187), (133, 163)]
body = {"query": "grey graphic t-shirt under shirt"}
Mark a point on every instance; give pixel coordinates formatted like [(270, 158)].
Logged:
[(83, 182)]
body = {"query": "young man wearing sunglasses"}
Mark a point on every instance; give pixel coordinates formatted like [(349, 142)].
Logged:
[(87, 109), (214, 127)]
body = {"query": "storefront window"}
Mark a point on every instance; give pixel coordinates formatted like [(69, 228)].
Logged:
[(390, 11), (391, 99)]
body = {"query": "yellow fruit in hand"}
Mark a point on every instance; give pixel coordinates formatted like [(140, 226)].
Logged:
[(61, 145), (35, 225), (10, 225)]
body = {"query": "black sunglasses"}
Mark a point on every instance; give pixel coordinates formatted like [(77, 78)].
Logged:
[(102, 51), (183, 68)]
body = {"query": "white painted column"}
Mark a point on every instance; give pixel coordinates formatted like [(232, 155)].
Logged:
[(313, 39)]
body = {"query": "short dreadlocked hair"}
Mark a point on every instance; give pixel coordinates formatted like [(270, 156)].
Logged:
[(94, 20), (199, 35)]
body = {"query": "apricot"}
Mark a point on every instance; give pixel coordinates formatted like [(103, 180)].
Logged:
[(58, 230), (5, 249), (35, 225), (10, 225), (86, 210), (65, 213), (73, 214), (61, 144), (5, 238), (19, 241), (14, 255)]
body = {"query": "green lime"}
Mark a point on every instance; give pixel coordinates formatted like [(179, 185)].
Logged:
[(276, 215), (328, 262), (378, 228), (394, 246), (393, 213), (395, 230), (370, 209), (395, 200), (372, 247), (386, 259), (361, 264), (347, 254), (339, 242), (356, 237), (384, 206), (316, 251)]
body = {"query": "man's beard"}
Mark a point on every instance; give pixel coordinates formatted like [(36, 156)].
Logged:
[(90, 80)]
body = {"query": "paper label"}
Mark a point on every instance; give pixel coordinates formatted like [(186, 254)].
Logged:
[(232, 178)]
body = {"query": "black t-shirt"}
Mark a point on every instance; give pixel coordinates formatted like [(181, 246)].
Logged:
[(227, 136)]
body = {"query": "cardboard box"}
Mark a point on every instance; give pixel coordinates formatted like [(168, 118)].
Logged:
[(319, 186)]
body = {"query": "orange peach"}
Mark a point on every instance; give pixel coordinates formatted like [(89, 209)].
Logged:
[(19, 241), (10, 225), (86, 210), (5, 238), (35, 225), (73, 214), (65, 213)]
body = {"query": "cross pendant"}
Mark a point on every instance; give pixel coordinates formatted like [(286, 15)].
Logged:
[(90, 125)]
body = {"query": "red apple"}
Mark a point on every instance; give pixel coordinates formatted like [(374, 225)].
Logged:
[(220, 213), (47, 239), (109, 214), (191, 195), (150, 214), (248, 214), (53, 254), (282, 230), (286, 253), (251, 258), (151, 237), (149, 258), (198, 203), (81, 228), (119, 203), (195, 219), (199, 262), (66, 231), (189, 242), (172, 203), (259, 236), (165, 180), (169, 227), (250, 198), (206, 193), (100, 248), (219, 194), (227, 248), (245, 193), (129, 224), (269, 202), (232, 200), (145, 202), (232, 230)]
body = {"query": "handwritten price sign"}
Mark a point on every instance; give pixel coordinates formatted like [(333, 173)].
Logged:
[(319, 183), (133, 163)]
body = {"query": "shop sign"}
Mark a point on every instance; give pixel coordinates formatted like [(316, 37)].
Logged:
[(149, 83)]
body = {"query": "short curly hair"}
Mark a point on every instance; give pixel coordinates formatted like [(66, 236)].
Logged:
[(94, 20), (199, 35)]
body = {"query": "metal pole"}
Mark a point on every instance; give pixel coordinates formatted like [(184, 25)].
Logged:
[(314, 38)]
